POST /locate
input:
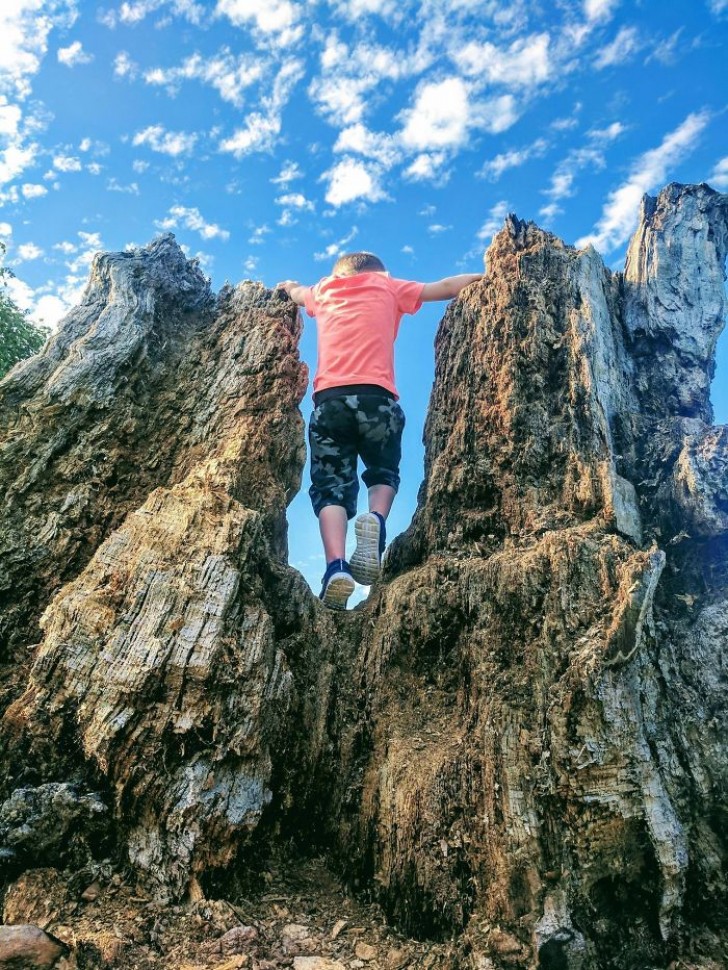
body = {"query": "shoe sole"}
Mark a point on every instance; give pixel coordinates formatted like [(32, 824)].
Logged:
[(338, 592), (365, 563)]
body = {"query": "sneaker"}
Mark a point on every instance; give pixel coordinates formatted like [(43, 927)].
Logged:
[(338, 585), (371, 537)]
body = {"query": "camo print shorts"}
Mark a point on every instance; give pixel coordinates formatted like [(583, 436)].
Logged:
[(366, 425)]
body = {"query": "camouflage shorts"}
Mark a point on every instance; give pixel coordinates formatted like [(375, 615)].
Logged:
[(344, 428)]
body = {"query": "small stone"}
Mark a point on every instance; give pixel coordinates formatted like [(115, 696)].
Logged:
[(237, 940), (316, 963), (294, 937), (29, 947), (365, 951), (338, 927), (396, 959), (92, 892), (234, 963)]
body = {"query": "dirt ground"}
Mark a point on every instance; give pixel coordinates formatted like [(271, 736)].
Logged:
[(301, 918)]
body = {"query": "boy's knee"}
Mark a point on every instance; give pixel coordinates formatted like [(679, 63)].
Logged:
[(381, 476)]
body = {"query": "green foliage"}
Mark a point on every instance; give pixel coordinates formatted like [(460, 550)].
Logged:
[(19, 338)]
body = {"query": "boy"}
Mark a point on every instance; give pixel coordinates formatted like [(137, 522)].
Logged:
[(358, 310)]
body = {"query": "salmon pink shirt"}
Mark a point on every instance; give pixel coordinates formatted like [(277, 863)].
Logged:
[(358, 320)]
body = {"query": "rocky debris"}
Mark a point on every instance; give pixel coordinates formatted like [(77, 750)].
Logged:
[(55, 824), (124, 927), (28, 947), (516, 745)]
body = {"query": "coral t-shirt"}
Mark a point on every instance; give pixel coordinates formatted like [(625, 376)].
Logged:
[(358, 321)]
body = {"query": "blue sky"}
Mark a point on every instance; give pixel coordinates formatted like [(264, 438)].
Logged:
[(270, 135)]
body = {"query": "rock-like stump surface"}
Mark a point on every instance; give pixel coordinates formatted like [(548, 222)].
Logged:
[(517, 743)]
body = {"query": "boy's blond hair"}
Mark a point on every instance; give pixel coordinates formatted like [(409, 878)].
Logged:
[(352, 263)]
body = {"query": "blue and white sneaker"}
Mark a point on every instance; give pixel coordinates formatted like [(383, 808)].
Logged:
[(338, 585), (371, 538)]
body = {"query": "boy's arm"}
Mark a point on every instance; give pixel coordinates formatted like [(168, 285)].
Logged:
[(295, 290), (449, 287)]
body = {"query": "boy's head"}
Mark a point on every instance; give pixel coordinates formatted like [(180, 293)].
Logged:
[(352, 263)]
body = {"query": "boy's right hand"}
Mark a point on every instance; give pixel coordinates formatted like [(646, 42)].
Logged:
[(294, 289)]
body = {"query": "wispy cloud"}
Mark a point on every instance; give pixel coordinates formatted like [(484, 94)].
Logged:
[(620, 212), (624, 45), (719, 176), (191, 218), (495, 167), (262, 128), (599, 9), (229, 74), (277, 21), (74, 54), (334, 250), (172, 143)]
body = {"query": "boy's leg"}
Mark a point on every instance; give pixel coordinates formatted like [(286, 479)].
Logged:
[(332, 523), (334, 487), (381, 423), (381, 498)]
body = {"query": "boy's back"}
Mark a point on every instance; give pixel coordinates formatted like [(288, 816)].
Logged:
[(358, 320)]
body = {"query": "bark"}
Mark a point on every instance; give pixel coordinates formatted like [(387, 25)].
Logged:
[(518, 739)]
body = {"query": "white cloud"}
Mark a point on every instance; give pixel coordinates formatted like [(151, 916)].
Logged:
[(599, 9), (550, 211), (14, 160), (293, 203), (444, 112), (359, 139), (274, 19), (28, 251), (295, 200), (6, 230), (719, 175), (664, 51), (262, 128), (193, 220), (495, 167), (113, 185), (439, 117), (334, 250), (258, 235), (351, 179), (352, 77), (172, 143), (494, 222), (355, 9), (134, 11), (230, 75), (31, 191), (718, 7), (624, 45), (139, 165), (588, 156), (67, 163), (426, 167), (621, 210), (25, 26), (524, 64), (437, 227), (124, 66), (74, 54), (287, 174), (609, 133)]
